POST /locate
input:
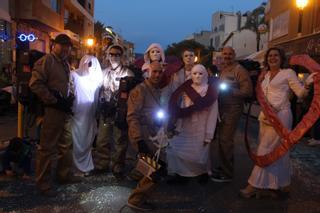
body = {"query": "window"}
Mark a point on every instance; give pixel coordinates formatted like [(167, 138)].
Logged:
[(82, 2), (221, 27), (66, 16), (55, 5), (217, 42)]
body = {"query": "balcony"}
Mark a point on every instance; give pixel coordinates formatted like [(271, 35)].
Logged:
[(38, 14), (78, 7)]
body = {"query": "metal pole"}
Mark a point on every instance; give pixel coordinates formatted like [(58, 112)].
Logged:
[(20, 121), (300, 21)]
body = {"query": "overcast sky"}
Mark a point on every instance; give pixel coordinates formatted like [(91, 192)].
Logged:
[(165, 21)]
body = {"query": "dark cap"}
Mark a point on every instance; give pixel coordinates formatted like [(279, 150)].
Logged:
[(63, 39)]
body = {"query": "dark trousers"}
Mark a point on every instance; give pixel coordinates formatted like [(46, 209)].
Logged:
[(55, 144), (230, 116), (110, 136)]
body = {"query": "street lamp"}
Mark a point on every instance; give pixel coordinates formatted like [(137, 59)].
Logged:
[(90, 42), (301, 4)]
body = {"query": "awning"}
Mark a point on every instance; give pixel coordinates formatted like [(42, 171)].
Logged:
[(257, 56), (5, 15)]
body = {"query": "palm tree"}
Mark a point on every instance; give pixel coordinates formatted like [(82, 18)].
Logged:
[(254, 19), (177, 48), (99, 29)]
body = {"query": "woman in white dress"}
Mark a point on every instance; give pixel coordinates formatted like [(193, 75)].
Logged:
[(277, 85), (188, 151), (86, 83)]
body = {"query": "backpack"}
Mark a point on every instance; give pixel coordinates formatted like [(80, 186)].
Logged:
[(126, 85)]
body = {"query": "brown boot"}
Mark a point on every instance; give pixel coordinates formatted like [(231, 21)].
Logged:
[(249, 192)]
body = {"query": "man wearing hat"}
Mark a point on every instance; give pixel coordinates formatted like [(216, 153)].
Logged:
[(50, 82)]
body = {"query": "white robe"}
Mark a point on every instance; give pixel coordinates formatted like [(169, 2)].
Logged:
[(277, 92), (83, 123), (186, 154)]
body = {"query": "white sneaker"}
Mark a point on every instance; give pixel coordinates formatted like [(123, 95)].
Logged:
[(313, 142)]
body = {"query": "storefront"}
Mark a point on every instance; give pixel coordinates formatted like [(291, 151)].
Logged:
[(5, 52), (305, 45)]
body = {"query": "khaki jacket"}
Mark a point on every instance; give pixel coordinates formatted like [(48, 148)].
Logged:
[(50, 73), (143, 103), (238, 79)]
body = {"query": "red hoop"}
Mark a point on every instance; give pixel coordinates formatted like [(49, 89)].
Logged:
[(290, 138)]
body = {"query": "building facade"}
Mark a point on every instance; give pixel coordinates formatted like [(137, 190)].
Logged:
[(223, 24), (283, 20), (6, 44), (244, 42), (204, 38), (45, 19)]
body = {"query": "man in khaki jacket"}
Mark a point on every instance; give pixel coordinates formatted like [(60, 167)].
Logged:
[(50, 82), (231, 101), (143, 103)]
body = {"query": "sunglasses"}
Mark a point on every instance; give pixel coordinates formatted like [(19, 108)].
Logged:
[(115, 54)]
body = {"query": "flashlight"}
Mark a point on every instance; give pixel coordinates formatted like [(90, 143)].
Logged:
[(160, 114), (223, 86)]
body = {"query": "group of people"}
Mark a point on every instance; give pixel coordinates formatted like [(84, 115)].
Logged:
[(82, 105)]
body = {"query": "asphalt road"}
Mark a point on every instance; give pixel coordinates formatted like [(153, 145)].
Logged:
[(104, 193)]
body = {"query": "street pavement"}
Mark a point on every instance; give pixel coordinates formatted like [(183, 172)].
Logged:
[(104, 193)]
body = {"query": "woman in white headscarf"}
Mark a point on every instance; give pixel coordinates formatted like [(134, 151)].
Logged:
[(86, 83), (188, 151), (153, 53)]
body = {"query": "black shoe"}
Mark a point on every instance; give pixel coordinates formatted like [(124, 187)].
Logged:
[(217, 169), (118, 171), (220, 178), (99, 171), (177, 179), (141, 207), (49, 193), (70, 180), (203, 179)]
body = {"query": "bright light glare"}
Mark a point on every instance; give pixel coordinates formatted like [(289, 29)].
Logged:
[(109, 30), (223, 86), (301, 4), (160, 114), (90, 42)]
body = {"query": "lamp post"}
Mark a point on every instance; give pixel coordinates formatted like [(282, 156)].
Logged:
[(90, 44), (301, 4)]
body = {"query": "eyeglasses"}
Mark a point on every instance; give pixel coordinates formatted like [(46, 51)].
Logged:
[(114, 54)]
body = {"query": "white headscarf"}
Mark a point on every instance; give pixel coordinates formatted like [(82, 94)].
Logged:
[(93, 72), (146, 57), (203, 87)]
